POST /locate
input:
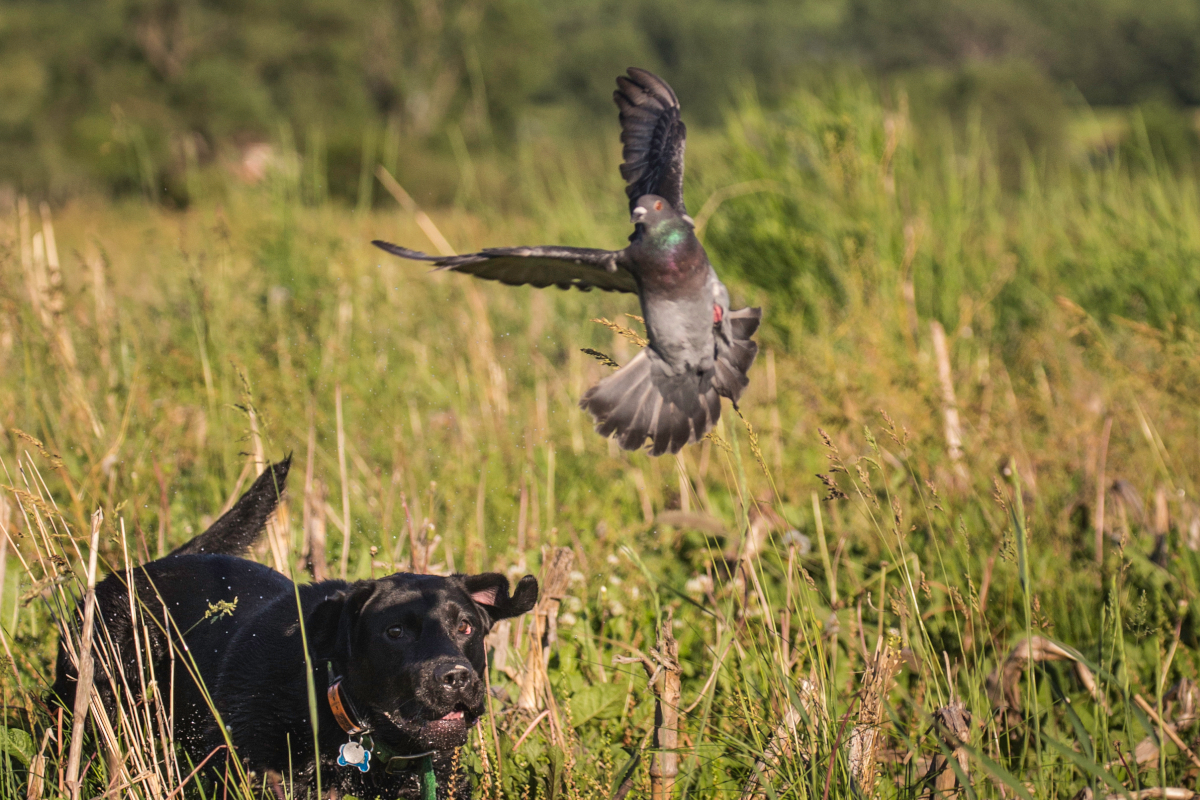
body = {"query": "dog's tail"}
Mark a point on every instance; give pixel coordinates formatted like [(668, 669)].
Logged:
[(236, 530)]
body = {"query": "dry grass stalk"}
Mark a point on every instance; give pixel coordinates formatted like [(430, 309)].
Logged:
[(498, 640), (912, 239), (1184, 698), (1162, 793), (53, 287), (1101, 490), (628, 333), (784, 741), (776, 423), (314, 557), (816, 712), (664, 765), (639, 482), (949, 402), (43, 279), (103, 306), (483, 354), (312, 516), (685, 484), (1166, 728), (535, 684), (344, 564), (37, 770), (164, 510), (1162, 525), (406, 202), (953, 726), (665, 678), (33, 278), (1002, 682), (865, 738), (420, 546), (574, 415), (85, 663), (522, 522), (474, 546), (551, 505), (53, 269), (5, 527)]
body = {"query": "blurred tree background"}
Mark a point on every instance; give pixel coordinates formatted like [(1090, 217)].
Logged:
[(141, 96)]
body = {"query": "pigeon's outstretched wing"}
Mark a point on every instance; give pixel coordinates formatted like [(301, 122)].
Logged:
[(565, 267), (654, 138)]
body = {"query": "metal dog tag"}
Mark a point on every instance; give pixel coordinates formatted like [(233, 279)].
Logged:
[(353, 754)]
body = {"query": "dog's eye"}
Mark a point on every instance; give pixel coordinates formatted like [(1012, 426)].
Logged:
[(465, 628), (395, 632)]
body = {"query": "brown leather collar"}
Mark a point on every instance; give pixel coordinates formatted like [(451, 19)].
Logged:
[(343, 710)]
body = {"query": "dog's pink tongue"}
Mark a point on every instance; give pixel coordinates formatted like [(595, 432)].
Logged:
[(454, 715)]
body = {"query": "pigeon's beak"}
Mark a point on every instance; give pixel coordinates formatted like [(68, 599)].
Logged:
[(638, 214)]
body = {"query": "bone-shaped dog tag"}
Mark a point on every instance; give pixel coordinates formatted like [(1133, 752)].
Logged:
[(353, 754)]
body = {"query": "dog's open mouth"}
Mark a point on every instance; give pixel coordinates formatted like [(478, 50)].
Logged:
[(449, 730), (440, 733)]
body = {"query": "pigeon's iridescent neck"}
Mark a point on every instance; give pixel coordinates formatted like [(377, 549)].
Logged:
[(673, 238), (672, 257), (668, 236)]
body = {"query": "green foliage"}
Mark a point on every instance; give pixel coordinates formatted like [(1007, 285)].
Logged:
[(840, 202), (133, 96), (1113, 52), (17, 744), (1066, 304), (130, 95)]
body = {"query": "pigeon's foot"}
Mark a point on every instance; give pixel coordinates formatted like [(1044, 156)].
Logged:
[(736, 353)]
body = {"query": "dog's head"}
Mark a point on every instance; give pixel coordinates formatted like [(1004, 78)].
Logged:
[(410, 650)]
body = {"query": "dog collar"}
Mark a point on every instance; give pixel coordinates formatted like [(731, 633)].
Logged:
[(343, 710), (347, 719)]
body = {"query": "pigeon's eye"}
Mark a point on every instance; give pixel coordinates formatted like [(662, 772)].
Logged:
[(464, 628), (658, 205)]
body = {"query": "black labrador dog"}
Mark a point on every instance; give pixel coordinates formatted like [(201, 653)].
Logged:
[(396, 663)]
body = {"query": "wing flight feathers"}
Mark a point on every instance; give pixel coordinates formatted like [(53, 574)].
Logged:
[(654, 137), (581, 268)]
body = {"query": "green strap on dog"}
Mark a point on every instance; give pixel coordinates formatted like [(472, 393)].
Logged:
[(428, 779)]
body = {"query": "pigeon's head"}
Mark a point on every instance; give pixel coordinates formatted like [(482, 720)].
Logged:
[(652, 210)]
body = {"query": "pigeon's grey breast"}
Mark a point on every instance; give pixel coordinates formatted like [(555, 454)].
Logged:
[(681, 328)]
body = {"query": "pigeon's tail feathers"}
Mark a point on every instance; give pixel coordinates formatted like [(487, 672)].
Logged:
[(736, 355), (238, 528), (745, 322), (640, 402)]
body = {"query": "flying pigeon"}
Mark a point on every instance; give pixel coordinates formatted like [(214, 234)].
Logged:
[(699, 350)]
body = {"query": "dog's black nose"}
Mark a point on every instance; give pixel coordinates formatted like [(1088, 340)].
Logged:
[(456, 676)]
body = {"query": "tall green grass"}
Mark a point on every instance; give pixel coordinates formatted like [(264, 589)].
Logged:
[(828, 625)]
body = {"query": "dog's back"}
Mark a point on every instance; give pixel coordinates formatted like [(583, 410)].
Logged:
[(198, 574)]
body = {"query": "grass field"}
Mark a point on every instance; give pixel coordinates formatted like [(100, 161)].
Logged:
[(951, 548)]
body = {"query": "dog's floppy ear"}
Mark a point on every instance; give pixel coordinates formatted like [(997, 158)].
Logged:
[(330, 624), (490, 590)]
